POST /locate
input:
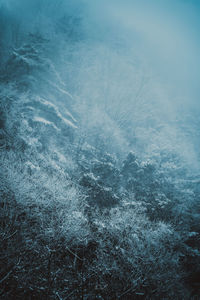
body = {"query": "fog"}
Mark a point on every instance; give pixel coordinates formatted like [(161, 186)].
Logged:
[(132, 64), (99, 149)]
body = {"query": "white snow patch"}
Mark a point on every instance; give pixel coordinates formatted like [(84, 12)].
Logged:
[(45, 122)]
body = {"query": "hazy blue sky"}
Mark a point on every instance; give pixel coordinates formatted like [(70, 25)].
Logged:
[(123, 42)]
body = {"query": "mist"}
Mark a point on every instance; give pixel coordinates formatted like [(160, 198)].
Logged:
[(99, 149)]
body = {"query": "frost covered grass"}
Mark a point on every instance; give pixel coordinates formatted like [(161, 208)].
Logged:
[(99, 168)]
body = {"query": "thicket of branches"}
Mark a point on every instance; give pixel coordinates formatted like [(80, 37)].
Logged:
[(78, 220), (115, 233)]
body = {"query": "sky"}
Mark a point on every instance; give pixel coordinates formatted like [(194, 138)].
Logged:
[(124, 45)]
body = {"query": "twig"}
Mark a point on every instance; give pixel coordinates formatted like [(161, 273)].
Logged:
[(58, 296), (74, 254), (127, 291), (11, 235), (6, 276)]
